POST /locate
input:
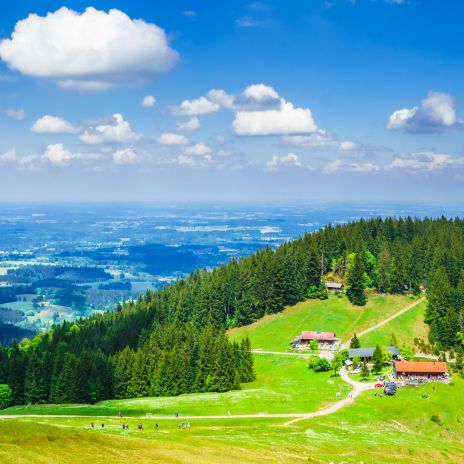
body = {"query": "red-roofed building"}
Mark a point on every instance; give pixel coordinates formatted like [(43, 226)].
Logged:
[(326, 340), (429, 370)]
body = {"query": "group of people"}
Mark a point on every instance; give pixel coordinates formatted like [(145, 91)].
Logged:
[(183, 425)]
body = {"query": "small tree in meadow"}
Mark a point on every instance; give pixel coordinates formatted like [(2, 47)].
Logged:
[(322, 365), (355, 343), (365, 370), (313, 345), (377, 358)]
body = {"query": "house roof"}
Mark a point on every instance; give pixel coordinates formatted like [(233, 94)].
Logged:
[(426, 367), (368, 352), (335, 285), (319, 336)]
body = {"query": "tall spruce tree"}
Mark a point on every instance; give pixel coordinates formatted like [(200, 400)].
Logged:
[(355, 283)]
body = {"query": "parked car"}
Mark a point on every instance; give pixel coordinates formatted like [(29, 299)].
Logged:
[(391, 385), (379, 385), (389, 392), (356, 371)]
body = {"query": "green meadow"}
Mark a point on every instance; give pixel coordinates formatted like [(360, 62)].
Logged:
[(407, 428), (336, 314)]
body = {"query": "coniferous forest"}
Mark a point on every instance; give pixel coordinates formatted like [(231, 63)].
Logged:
[(173, 341)]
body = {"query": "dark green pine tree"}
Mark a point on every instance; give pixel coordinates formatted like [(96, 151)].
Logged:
[(377, 359), (138, 383), (35, 388), (122, 373), (247, 372), (355, 283), (313, 269), (68, 380), (355, 343)]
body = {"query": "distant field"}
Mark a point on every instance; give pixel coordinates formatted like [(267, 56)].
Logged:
[(406, 327), (24, 306), (284, 384), (374, 430), (276, 331)]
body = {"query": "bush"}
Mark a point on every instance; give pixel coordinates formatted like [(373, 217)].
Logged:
[(435, 418), (322, 365), (6, 396)]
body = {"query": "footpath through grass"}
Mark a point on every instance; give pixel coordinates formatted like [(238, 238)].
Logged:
[(276, 331), (405, 328), (405, 429)]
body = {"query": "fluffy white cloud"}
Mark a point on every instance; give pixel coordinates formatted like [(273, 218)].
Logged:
[(289, 160), (199, 149), (184, 160), (260, 92), (125, 156), (119, 132), (254, 97), (57, 155), (148, 101), (339, 165), (191, 124), (195, 107), (8, 157), (88, 51), (53, 125), (19, 114), (425, 161), (435, 113), (172, 139), (284, 121)]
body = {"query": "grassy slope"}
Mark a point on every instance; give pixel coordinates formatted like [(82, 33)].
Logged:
[(373, 430), (284, 384), (406, 327), (275, 332)]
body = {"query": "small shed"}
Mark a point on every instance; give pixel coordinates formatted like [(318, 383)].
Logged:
[(334, 286)]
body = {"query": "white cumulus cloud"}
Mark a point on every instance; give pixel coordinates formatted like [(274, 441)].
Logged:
[(425, 161), (88, 51), (199, 149), (148, 101), (195, 107), (57, 155), (435, 113), (53, 125), (119, 132), (191, 124), (172, 139), (19, 114), (8, 157), (283, 121), (289, 160), (125, 156)]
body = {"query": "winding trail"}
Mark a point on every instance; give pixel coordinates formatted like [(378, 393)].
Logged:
[(385, 321), (358, 388)]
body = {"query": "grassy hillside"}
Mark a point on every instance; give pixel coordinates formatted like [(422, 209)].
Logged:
[(406, 327), (276, 331), (373, 430), (284, 384)]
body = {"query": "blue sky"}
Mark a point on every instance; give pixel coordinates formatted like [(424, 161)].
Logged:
[(207, 100)]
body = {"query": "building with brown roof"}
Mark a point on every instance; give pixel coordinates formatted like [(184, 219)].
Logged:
[(427, 370)]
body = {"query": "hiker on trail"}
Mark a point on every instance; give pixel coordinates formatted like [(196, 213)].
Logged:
[(103, 425), (156, 425), (124, 426), (178, 425), (140, 427), (92, 425), (183, 425), (188, 425)]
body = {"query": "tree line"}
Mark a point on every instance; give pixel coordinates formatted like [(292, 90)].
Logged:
[(163, 334)]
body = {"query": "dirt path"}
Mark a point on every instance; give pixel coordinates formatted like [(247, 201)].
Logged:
[(384, 321)]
